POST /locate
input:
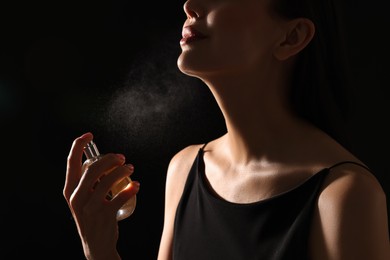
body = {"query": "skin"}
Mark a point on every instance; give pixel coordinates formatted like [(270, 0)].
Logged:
[(94, 215), (246, 61)]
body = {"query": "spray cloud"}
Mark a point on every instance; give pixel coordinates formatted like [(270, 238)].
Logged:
[(146, 111)]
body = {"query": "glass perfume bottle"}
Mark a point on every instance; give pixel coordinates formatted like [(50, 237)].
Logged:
[(92, 155)]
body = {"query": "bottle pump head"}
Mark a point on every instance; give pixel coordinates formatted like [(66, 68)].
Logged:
[(91, 150)]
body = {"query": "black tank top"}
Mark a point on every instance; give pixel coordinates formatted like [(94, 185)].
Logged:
[(210, 228)]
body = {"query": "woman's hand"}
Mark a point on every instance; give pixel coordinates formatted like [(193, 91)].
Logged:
[(94, 214)]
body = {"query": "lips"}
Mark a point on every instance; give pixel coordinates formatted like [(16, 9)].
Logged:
[(189, 34)]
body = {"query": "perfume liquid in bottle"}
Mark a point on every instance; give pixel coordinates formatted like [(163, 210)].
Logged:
[(92, 154)]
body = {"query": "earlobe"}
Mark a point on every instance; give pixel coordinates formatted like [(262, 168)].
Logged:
[(299, 33)]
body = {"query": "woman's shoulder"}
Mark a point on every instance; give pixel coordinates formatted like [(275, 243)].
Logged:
[(185, 157), (350, 180), (178, 170), (180, 165), (351, 214), (348, 176)]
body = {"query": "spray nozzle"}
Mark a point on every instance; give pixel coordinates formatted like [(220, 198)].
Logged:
[(91, 150)]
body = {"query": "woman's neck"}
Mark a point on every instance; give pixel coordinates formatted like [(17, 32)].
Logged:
[(258, 120)]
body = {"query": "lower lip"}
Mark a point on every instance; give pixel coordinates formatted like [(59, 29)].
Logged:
[(188, 40)]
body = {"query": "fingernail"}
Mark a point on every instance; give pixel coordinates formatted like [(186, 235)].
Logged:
[(121, 156), (85, 135), (130, 166)]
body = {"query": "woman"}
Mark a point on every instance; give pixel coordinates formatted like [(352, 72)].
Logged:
[(281, 183)]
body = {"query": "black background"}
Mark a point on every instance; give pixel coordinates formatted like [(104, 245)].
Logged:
[(110, 68)]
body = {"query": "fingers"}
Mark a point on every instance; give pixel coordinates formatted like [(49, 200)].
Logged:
[(115, 181), (125, 195), (86, 187), (74, 163), (100, 169)]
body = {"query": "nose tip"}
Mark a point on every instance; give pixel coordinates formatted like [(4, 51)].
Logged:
[(190, 10)]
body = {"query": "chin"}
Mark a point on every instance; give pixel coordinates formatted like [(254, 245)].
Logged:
[(187, 67)]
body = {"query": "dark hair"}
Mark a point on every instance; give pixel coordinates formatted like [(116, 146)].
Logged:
[(320, 85)]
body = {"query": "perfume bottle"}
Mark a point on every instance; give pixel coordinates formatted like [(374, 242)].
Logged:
[(92, 155)]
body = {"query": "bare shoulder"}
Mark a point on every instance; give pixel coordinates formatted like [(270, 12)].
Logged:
[(351, 221), (178, 170), (182, 161), (349, 182)]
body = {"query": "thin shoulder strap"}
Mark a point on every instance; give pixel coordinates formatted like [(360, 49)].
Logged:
[(203, 146), (352, 162)]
